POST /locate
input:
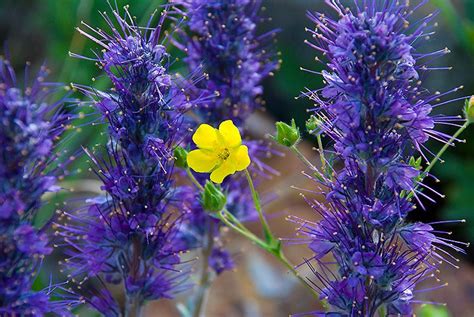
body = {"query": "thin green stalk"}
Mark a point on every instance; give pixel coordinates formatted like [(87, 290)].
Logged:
[(271, 245), (237, 225), (194, 180), (310, 165), (258, 206), (383, 311), (445, 147), (321, 152), (283, 259), (243, 231), (303, 158), (440, 153), (205, 280), (277, 253), (234, 219)]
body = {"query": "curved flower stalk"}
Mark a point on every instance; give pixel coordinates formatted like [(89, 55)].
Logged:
[(128, 236), (29, 168), (378, 117), (221, 153)]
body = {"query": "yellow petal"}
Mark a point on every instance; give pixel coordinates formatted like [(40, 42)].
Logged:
[(201, 161), (205, 137), (226, 169), (230, 133), (240, 158)]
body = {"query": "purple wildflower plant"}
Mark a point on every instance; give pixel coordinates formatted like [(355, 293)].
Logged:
[(32, 125), (128, 236), (223, 40), (377, 117)]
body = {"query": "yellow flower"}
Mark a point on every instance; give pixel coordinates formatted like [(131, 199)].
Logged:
[(220, 151)]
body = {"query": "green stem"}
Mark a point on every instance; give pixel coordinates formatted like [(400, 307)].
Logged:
[(223, 216), (277, 253), (310, 165), (283, 259), (445, 147), (321, 152), (439, 154), (383, 311), (204, 281), (303, 158), (258, 206), (234, 219), (194, 180), (271, 245)]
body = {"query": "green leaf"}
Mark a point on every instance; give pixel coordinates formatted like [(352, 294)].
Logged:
[(432, 311)]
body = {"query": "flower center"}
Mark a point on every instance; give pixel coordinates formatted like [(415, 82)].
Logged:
[(224, 154)]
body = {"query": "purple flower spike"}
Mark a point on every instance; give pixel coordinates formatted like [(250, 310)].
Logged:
[(225, 43), (29, 168), (129, 236), (378, 117)]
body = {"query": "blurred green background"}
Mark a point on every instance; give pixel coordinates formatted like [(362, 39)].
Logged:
[(44, 31)]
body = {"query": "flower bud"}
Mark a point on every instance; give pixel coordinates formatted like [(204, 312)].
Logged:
[(469, 110), (287, 135), (180, 157), (213, 199), (415, 163), (313, 125)]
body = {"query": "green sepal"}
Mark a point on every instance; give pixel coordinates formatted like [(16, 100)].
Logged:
[(180, 157), (212, 198)]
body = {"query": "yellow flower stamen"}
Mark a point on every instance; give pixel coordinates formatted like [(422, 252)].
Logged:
[(224, 155)]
